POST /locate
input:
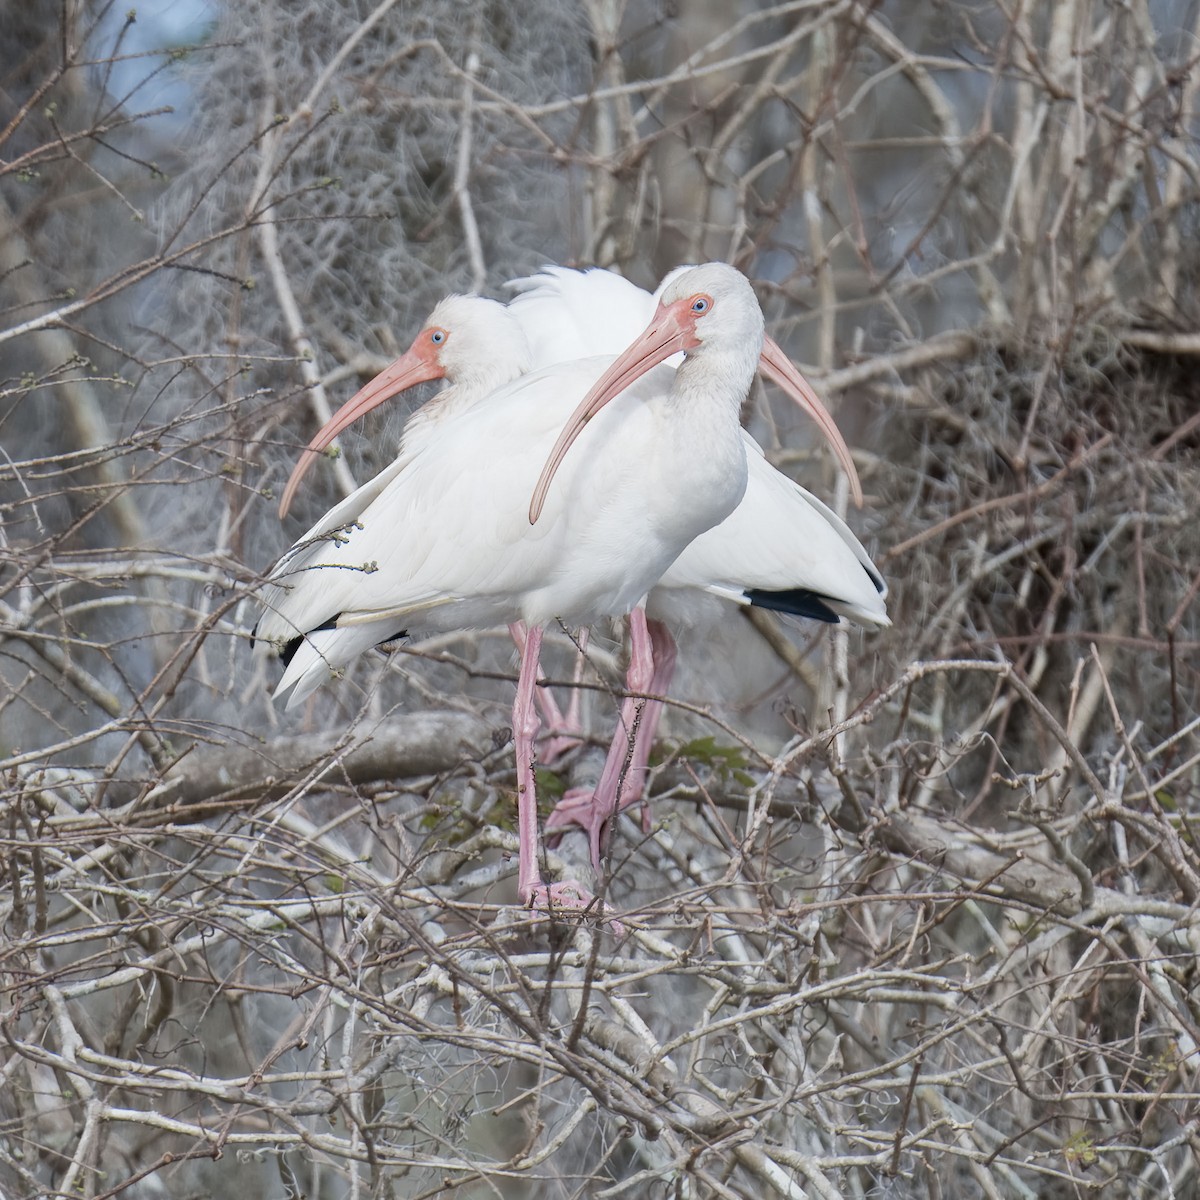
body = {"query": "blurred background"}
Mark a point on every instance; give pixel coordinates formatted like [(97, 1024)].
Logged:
[(916, 913)]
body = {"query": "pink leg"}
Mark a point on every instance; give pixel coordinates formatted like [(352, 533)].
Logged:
[(663, 646), (623, 780), (565, 732), (571, 722), (534, 891)]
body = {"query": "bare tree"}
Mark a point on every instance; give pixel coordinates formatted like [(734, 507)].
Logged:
[(917, 911)]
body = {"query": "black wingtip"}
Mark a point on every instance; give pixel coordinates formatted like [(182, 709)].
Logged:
[(797, 602), (290, 647), (289, 651), (293, 644)]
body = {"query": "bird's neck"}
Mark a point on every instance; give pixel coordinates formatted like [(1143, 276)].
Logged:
[(464, 392), (447, 404), (491, 372), (714, 381), (702, 438)]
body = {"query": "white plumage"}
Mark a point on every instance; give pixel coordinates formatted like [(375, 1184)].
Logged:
[(781, 548), (444, 541)]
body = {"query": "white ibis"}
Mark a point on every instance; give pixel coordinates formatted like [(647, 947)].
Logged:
[(446, 543), (780, 549), (477, 346)]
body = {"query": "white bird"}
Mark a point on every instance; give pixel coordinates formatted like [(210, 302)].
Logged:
[(780, 549), (445, 541), (476, 345)]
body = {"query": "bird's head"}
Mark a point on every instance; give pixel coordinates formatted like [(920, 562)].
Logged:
[(712, 314), (708, 312), (469, 341), (708, 306), (714, 307)]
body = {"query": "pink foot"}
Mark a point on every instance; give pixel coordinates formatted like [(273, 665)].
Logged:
[(578, 807), (646, 822), (567, 898)]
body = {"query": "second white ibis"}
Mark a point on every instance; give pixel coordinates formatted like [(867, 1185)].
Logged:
[(780, 549)]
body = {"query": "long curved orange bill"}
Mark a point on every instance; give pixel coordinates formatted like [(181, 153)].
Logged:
[(407, 371), (671, 330), (782, 372)]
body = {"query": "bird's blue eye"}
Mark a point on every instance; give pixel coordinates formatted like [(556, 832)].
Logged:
[(437, 337), (700, 304)]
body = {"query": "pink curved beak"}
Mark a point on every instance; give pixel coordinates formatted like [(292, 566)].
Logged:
[(781, 371), (672, 329), (407, 371)]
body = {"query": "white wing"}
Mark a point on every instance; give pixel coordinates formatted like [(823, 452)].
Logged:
[(568, 314), (781, 548)]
